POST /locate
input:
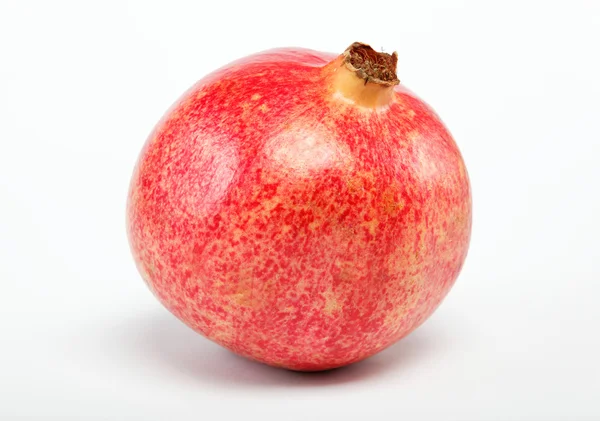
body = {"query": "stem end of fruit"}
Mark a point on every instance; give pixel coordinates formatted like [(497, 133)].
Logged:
[(370, 65)]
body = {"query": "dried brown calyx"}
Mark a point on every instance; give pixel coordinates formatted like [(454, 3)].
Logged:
[(370, 65)]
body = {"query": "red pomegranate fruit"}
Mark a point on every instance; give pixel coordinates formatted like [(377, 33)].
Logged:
[(300, 208)]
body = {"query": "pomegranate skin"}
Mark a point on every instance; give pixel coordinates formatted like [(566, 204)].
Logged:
[(291, 225)]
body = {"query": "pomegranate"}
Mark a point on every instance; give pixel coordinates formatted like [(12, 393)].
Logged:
[(301, 209)]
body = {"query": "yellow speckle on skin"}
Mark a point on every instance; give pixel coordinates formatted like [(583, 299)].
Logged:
[(263, 108), (314, 225), (224, 331), (413, 135), (389, 203), (256, 97), (346, 270), (241, 298), (371, 225), (269, 205), (331, 303), (237, 234)]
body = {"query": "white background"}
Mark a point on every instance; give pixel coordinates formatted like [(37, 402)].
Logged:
[(82, 84)]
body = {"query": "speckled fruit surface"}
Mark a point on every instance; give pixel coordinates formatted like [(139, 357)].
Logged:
[(283, 214)]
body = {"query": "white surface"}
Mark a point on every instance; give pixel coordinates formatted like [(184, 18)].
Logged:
[(82, 84)]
